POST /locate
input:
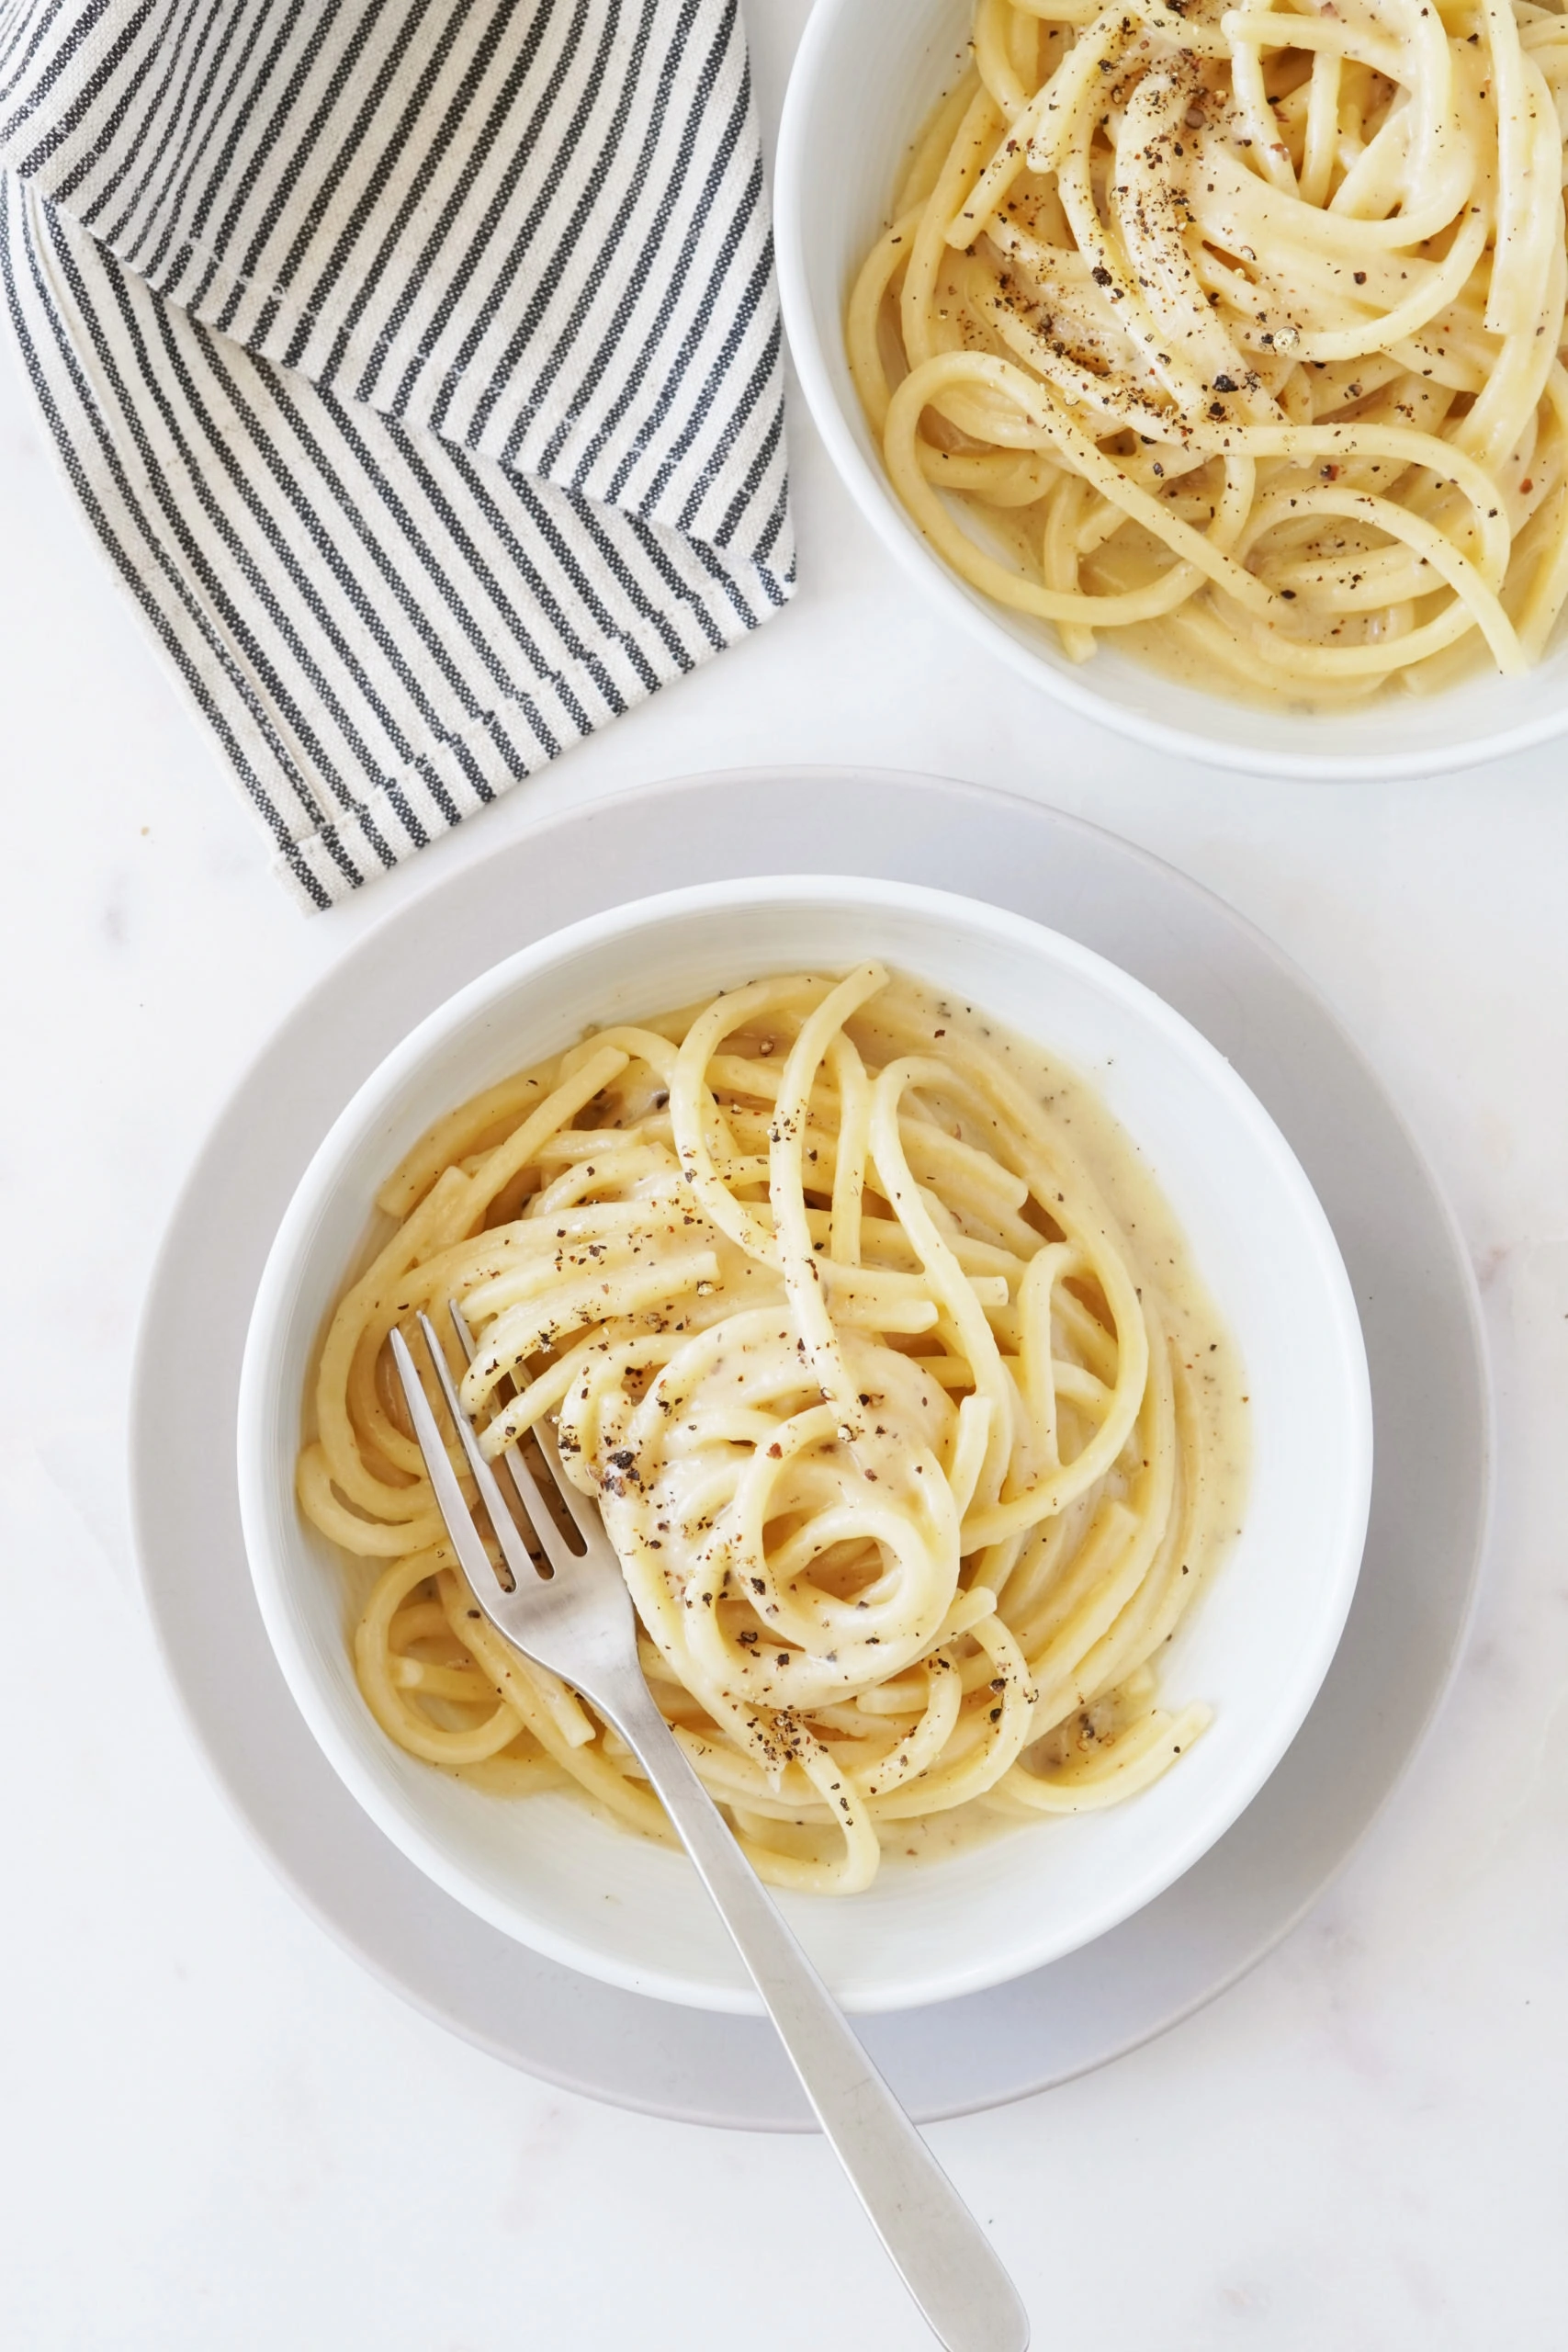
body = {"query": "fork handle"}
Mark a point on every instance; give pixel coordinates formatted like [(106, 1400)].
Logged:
[(935, 2244)]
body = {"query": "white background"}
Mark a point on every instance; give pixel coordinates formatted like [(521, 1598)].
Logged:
[(218, 2132)]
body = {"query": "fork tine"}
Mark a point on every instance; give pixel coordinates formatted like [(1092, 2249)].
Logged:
[(466, 1539), (507, 1533), (589, 1526), (583, 1509)]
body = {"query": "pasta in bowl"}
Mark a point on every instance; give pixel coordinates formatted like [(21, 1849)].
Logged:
[(1223, 343), (914, 1451), (908, 1393)]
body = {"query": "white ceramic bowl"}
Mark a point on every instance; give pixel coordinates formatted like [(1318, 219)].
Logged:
[(866, 75), (1257, 1647)]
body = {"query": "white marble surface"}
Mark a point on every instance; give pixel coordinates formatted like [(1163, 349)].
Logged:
[(218, 2133)]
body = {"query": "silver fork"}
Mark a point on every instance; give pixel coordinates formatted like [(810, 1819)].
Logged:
[(580, 1623)]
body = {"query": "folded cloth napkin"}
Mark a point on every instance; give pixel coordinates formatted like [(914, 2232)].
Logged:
[(417, 363)]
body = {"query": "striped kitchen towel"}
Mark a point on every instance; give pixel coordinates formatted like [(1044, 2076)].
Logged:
[(417, 363)]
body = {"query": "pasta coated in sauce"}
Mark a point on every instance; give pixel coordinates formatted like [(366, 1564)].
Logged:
[(872, 1340), (1238, 331)]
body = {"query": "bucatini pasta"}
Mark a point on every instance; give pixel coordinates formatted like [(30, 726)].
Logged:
[(913, 1432), (1239, 330)]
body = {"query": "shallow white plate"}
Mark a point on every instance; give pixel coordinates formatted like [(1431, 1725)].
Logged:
[(866, 75), (1256, 1647), (1412, 1288)]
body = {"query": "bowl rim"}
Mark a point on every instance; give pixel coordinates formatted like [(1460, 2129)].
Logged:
[(270, 1324), (901, 536)]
